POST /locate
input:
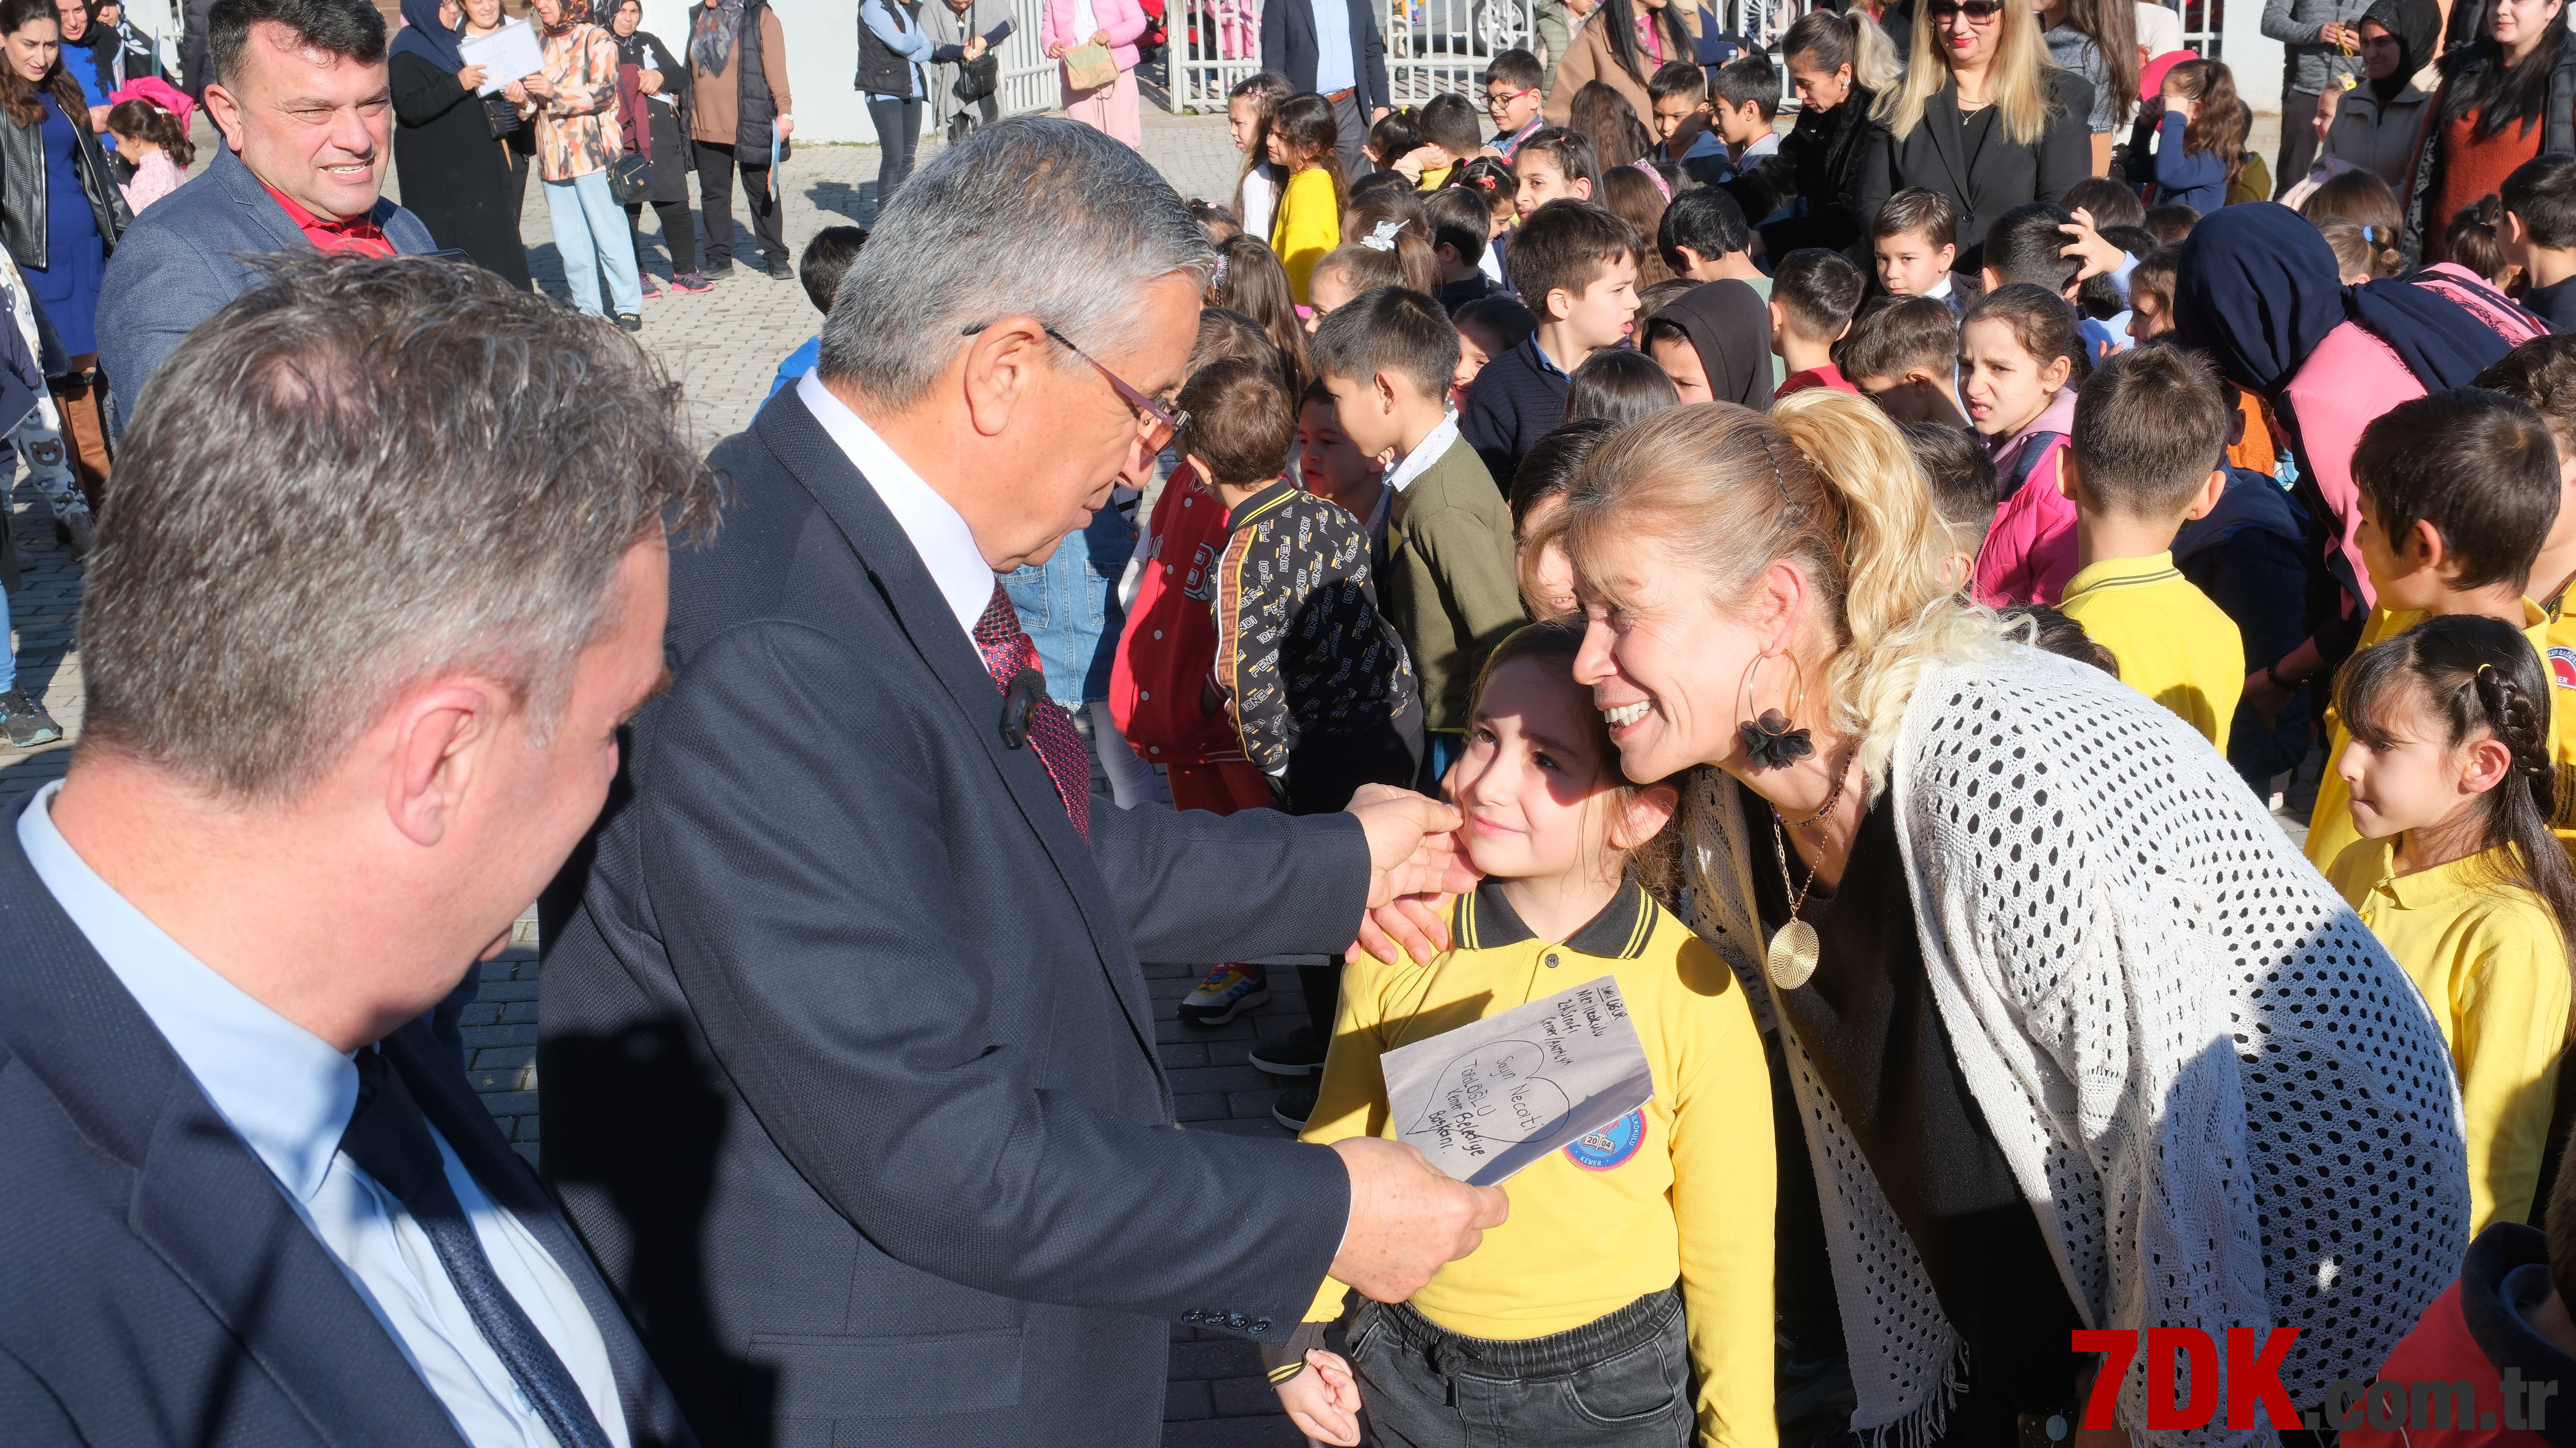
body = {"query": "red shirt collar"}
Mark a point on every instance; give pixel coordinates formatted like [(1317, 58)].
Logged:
[(361, 235)]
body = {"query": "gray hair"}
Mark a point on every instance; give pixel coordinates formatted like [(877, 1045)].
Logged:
[(1029, 217), (358, 475)]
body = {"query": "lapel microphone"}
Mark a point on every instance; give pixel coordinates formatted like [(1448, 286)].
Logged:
[(1019, 704)]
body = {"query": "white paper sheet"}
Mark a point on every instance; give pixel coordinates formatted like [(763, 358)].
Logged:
[(1487, 1100), (507, 54)]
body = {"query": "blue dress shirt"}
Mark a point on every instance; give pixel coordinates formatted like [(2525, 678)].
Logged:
[(288, 1094), (1333, 63)]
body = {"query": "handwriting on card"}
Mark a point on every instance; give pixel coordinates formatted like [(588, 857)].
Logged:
[(1488, 1099)]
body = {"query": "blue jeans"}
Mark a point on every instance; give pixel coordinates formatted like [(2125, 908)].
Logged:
[(8, 650), (590, 228)]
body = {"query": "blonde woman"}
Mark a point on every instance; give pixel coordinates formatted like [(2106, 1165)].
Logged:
[(2073, 1037), (1980, 117)]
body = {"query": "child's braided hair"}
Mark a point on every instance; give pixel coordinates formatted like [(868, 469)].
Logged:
[(2477, 677)]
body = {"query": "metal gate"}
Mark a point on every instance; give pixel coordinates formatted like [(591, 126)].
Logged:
[(1432, 46)]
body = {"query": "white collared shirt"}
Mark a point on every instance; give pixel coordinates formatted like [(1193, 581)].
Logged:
[(1940, 288), (288, 1094), (937, 530), (1435, 445)]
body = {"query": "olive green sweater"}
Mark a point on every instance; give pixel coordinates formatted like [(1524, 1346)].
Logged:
[(1448, 580)]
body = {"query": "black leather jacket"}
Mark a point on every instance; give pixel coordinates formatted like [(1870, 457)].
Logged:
[(22, 190)]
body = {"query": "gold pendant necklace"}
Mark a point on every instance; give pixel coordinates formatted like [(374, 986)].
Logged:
[(1791, 960)]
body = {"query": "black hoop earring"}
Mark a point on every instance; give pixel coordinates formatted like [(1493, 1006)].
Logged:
[(1769, 737)]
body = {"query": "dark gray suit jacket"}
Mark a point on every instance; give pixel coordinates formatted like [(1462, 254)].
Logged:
[(155, 1285), (181, 261), (849, 1064)]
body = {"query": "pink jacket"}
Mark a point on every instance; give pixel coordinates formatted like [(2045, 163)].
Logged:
[(2352, 377), (1123, 19), (2030, 550)]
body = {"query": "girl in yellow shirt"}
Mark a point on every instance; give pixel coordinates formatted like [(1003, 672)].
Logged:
[(2458, 875), (1302, 142), (1628, 1300)]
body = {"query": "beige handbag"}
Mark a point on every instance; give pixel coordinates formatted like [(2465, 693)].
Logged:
[(1089, 67)]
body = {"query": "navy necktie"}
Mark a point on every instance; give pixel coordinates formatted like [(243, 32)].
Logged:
[(389, 1140)]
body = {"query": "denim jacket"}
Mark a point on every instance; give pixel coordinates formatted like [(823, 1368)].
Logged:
[(1070, 607)]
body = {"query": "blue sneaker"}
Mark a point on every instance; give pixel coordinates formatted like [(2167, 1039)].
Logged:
[(1228, 991), (25, 724)]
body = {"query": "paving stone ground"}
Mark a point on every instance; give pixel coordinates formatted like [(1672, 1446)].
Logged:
[(723, 347)]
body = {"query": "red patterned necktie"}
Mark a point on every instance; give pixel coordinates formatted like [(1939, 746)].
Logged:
[(1008, 652)]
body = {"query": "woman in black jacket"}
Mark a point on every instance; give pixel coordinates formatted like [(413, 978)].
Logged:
[(60, 214), (2507, 96), (656, 126), (1840, 65), (455, 176), (1981, 117)]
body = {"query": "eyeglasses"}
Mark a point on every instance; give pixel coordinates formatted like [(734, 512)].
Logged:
[(1498, 100), (1155, 423), (1979, 12)]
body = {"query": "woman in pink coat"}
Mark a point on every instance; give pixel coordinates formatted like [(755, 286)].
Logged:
[(2258, 292), (1071, 24)]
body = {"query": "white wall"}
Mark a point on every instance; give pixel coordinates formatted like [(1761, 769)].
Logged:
[(822, 54), (2254, 60)]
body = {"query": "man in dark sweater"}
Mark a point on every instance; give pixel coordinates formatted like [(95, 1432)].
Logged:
[(1575, 265)]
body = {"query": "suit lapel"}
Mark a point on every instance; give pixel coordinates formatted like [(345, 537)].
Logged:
[(202, 1202), (1949, 138), (261, 208), (652, 1415), (808, 454)]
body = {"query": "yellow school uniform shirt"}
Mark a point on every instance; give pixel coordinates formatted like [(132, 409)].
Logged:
[(2173, 644), (1682, 1188), (2490, 962), (1434, 177), (1306, 225), (2330, 830), (2558, 657)]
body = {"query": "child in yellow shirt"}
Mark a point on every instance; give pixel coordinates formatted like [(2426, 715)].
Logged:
[(2456, 492), (2542, 372), (1632, 1282), (2145, 458), (1303, 143), (2458, 875)]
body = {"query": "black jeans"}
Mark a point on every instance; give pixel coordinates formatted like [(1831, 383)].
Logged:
[(1621, 1380), (715, 202), (2298, 139), (679, 233), (898, 124)]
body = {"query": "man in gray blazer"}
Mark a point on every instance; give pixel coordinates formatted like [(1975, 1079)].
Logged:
[(299, 92)]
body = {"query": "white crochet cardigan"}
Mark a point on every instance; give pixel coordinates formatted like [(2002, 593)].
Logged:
[(2225, 1103)]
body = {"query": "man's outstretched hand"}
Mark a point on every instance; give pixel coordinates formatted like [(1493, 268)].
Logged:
[(1407, 1218), (1414, 860)]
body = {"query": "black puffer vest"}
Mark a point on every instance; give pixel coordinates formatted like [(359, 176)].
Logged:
[(756, 107), (881, 71)]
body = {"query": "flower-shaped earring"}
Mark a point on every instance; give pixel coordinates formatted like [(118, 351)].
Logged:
[(1769, 737)]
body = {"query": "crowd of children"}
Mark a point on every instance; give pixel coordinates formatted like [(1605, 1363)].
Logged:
[(1398, 378)]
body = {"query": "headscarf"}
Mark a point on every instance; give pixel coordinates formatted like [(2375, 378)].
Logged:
[(2417, 26), (1730, 329), (711, 44), (425, 35), (576, 13), (2257, 289)]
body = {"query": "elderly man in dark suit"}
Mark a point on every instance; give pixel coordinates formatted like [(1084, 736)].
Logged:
[(306, 115), (849, 1066), (251, 1199)]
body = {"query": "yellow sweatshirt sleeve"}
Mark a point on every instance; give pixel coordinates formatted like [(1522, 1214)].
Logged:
[(1308, 225), (2509, 1014), (1724, 1191), (1352, 1099)]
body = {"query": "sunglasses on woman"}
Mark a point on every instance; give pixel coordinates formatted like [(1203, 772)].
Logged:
[(1977, 11)]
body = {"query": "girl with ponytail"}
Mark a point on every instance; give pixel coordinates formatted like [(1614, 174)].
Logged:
[(2031, 954), (2459, 876), (1839, 65)]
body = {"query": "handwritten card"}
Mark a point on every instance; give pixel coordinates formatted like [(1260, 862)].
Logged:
[(1486, 1100), (507, 54)]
